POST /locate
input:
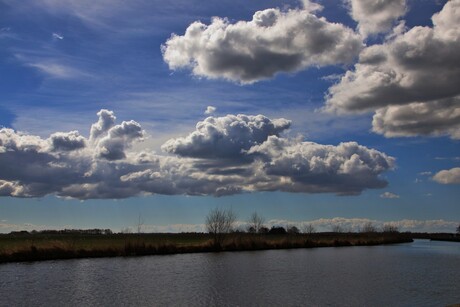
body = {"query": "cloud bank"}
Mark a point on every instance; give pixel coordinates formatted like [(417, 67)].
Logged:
[(273, 41), (224, 155), (347, 224), (410, 81), (356, 224)]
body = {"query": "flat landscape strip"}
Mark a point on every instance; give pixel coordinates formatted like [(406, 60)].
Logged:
[(37, 247)]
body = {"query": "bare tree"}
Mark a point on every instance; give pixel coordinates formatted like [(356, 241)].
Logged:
[(368, 227), (255, 223), (293, 230), (389, 228), (218, 223), (308, 229), (458, 230), (126, 230), (140, 223), (337, 228)]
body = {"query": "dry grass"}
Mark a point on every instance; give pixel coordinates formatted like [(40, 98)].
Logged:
[(34, 247)]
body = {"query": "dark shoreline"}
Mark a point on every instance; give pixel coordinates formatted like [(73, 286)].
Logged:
[(446, 239), (58, 247)]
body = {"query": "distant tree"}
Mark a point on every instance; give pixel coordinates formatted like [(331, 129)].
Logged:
[(389, 228), (293, 230), (277, 230), (308, 229), (264, 229), (368, 227), (126, 230), (337, 228), (140, 223), (458, 230), (255, 223), (218, 223)]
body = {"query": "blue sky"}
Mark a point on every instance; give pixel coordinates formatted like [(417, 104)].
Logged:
[(360, 108)]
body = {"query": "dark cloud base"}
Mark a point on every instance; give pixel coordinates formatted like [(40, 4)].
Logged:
[(223, 156)]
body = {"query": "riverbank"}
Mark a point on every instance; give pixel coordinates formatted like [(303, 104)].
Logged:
[(38, 247), (446, 239), (451, 237)]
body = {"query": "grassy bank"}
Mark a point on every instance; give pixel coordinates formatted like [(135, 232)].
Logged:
[(34, 247)]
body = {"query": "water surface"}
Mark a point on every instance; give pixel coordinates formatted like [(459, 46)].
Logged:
[(423, 273)]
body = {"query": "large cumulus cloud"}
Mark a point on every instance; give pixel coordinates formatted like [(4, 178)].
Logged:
[(438, 117), (347, 168), (226, 137), (407, 79), (273, 41), (106, 166)]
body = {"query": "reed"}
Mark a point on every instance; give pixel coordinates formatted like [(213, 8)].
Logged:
[(36, 247)]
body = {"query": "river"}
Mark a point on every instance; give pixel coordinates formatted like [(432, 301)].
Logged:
[(423, 273)]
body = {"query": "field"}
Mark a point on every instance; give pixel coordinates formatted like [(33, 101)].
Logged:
[(39, 246)]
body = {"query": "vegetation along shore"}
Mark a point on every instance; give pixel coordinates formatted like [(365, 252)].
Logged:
[(23, 246), (222, 235)]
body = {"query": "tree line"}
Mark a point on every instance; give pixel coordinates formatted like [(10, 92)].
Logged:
[(94, 231), (220, 222)]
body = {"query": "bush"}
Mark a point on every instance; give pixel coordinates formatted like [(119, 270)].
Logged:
[(277, 230)]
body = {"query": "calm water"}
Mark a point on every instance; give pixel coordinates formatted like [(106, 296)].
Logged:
[(422, 273)]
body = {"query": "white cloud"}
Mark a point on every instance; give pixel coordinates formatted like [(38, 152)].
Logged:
[(439, 117), (6, 32), (355, 224), (348, 224), (112, 146), (226, 137), (426, 226), (210, 110), (93, 13), (53, 64), (448, 158), (376, 16), (273, 41), (8, 188), (310, 167), (106, 121), (6, 227), (57, 36), (451, 176), (389, 195), (57, 70), (61, 141), (425, 173), (109, 140), (174, 228), (411, 81), (225, 155), (311, 6)]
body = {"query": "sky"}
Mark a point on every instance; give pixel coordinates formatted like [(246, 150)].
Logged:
[(118, 113)]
